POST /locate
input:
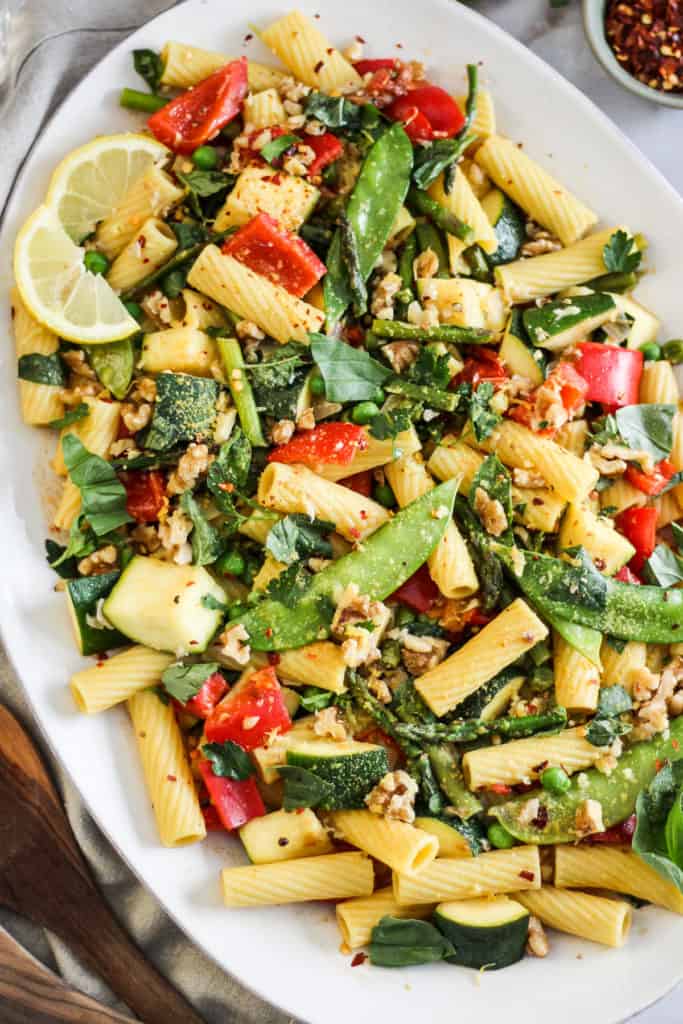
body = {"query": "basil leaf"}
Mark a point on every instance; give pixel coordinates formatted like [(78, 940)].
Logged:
[(206, 544), (664, 568), (483, 418), (188, 233), (673, 831), (103, 496), (149, 66), (658, 837), (313, 699), (81, 542), (431, 368), (79, 412), (619, 255), (274, 149), (228, 760), (334, 111), (206, 183), (185, 681), (41, 369), (431, 160), (493, 478), (402, 942), (290, 586), (228, 472), (296, 537), (389, 423), (613, 700), (647, 427), (350, 374), (602, 732), (64, 567), (302, 788), (213, 604)]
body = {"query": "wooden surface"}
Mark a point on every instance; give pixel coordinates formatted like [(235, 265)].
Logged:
[(44, 878)]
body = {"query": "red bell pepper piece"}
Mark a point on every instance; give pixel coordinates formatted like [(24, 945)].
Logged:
[(654, 482), (365, 67), (212, 690), (327, 149), (251, 710), (275, 253), (327, 443), (197, 115), (427, 113), (639, 525), (419, 591), (361, 482), (236, 801), (626, 575), (485, 366), (500, 789), (611, 373), (211, 820), (621, 834), (573, 387), (145, 494)]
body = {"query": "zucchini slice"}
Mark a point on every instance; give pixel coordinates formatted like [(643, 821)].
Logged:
[(509, 224), (83, 595), (491, 699), (485, 932), (184, 411), (561, 323), (452, 843), (518, 353), (352, 768)]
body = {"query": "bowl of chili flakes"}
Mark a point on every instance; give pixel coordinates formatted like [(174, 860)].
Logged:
[(640, 44)]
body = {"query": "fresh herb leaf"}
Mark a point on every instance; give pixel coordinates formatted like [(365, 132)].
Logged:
[(483, 418), (213, 604), (207, 183), (81, 542), (114, 363), (431, 368), (658, 839), (289, 587), (103, 496), (604, 430), (297, 537), (493, 478), (64, 567), (613, 700), (274, 149), (206, 544), (350, 374), (185, 681), (149, 66), (677, 532), (431, 160), (303, 788), (664, 568), (389, 424), (619, 254), (41, 369), (607, 725), (313, 699), (647, 427), (334, 111), (79, 412), (228, 472), (228, 760), (403, 942), (188, 233)]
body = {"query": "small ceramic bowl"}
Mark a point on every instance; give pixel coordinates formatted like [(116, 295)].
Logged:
[(594, 24)]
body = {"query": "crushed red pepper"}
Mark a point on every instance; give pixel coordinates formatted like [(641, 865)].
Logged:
[(647, 39)]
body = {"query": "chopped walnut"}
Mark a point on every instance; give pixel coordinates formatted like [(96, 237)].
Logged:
[(426, 264), (608, 761), (518, 386), (136, 417), (234, 644), (539, 246), (314, 127), (291, 89), (611, 459), (529, 811), (99, 561), (527, 478), (190, 467), (421, 653), (144, 390), (383, 295), (328, 723), (173, 534), (425, 315), (642, 683), (588, 818), (394, 797), (548, 411), (157, 307), (76, 361), (400, 354), (247, 329), (491, 513), (125, 446), (306, 421), (386, 262), (359, 623), (379, 688), (79, 388), (146, 538), (537, 941), (296, 164), (652, 716), (282, 431)]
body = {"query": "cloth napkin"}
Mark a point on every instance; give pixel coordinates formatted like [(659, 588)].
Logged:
[(49, 47)]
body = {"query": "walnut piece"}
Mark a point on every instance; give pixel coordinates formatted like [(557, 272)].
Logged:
[(421, 653), (173, 534), (234, 644), (588, 818), (99, 561), (282, 431), (401, 354), (491, 513), (537, 941), (193, 464), (359, 623), (394, 797), (328, 723)]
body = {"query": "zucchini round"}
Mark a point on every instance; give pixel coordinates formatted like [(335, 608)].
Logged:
[(508, 223), (485, 932)]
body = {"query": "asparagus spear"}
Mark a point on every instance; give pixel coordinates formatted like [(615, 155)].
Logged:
[(441, 332), (471, 729), (147, 102), (420, 202)]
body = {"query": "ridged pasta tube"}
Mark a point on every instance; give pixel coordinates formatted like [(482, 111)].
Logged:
[(120, 677), (577, 680), (462, 201), (152, 246), (356, 918), (185, 66), (396, 843), (658, 383), (335, 876), (618, 666), (514, 762), (263, 109), (500, 871), (40, 403), (615, 868), (151, 195), (579, 913), (306, 52), (376, 453), (608, 548), (96, 431)]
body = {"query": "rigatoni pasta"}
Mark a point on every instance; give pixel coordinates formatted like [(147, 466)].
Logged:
[(331, 877)]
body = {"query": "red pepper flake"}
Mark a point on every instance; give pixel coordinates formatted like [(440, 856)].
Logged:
[(527, 875), (269, 632), (171, 778), (355, 532), (659, 765), (274, 658), (359, 959), (319, 66), (647, 39), (228, 487), (249, 36), (675, 744), (500, 788), (359, 39)]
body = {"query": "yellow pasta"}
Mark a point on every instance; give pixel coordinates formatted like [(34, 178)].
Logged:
[(608, 549), (335, 876), (274, 310), (40, 403), (269, 571), (462, 201), (376, 453), (193, 310), (305, 51), (185, 66), (484, 123), (578, 913), (465, 302), (572, 436), (356, 918), (110, 682), (615, 868), (396, 843), (577, 680), (318, 664), (285, 835), (152, 195), (513, 632), (259, 190), (500, 871), (179, 349), (516, 761), (524, 280), (668, 509), (677, 454), (618, 666), (294, 488), (263, 109), (621, 495), (535, 190), (96, 431), (68, 507), (658, 383), (153, 245), (167, 770)]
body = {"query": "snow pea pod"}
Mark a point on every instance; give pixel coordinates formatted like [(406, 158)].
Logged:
[(372, 210)]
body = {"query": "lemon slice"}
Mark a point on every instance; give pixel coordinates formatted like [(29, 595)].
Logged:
[(57, 289), (90, 183)]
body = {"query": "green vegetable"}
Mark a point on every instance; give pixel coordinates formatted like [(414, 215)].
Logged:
[(277, 147), (476, 259), (231, 563), (490, 933), (472, 97), (41, 369), (483, 418), (204, 184), (350, 374), (333, 111), (313, 699), (103, 497), (173, 283), (432, 367), (83, 595), (388, 557), (205, 158), (228, 473), (402, 942), (664, 568), (620, 254), (228, 760), (651, 352), (442, 332), (658, 839), (96, 262), (184, 411), (499, 837), (473, 728), (348, 769), (302, 787), (673, 350), (456, 837), (149, 66), (383, 494), (493, 697), (405, 272), (436, 398), (79, 412), (444, 761), (206, 544), (517, 352), (240, 388), (493, 478), (298, 536), (354, 272), (281, 383), (429, 237), (364, 412), (372, 210), (583, 639), (555, 780), (389, 423), (509, 224), (189, 232), (185, 681), (561, 323), (421, 203), (114, 364), (431, 160), (618, 283), (317, 386), (133, 99)]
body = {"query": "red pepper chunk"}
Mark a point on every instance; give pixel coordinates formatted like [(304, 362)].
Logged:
[(145, 494), (626, 575), (328, 443), (211, 691), (427, 113), (235, 801), (368, 67), (327, 149), (612, 374), (361, 482), (197, 115), (251, 710), (651, 483), (275, 253), (639, 525), (419, 591), (484, 367)]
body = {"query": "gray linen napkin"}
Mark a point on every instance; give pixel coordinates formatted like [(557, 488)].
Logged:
[(57, 43)]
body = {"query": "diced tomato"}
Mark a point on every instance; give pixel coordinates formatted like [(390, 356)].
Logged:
[(275, 253), (485, 366), (525, 414), (361, 482), (419, 591), (573, 388), (197, 115), (611, 373), (626, 575), (236, 801), (639, 525), (476, 617), (327, 149), (328, 443), (251, 710), (211, 691), (427, 113), (376, 735), (368, 67), (654, 482), (564, 383), (145, 494)]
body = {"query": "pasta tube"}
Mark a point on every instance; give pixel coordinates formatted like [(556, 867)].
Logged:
[(335, 876), (399, 845), (500, 871)]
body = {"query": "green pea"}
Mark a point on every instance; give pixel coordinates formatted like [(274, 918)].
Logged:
[(205, 158), (96, 262), (404, 616), (673, 350), (364, 412), (555, 780), (499, 837), (317, 386), (651, 352), (236, 609), (173, 284), (135, 310), (378, 396), (231, 564), (384, 495)]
